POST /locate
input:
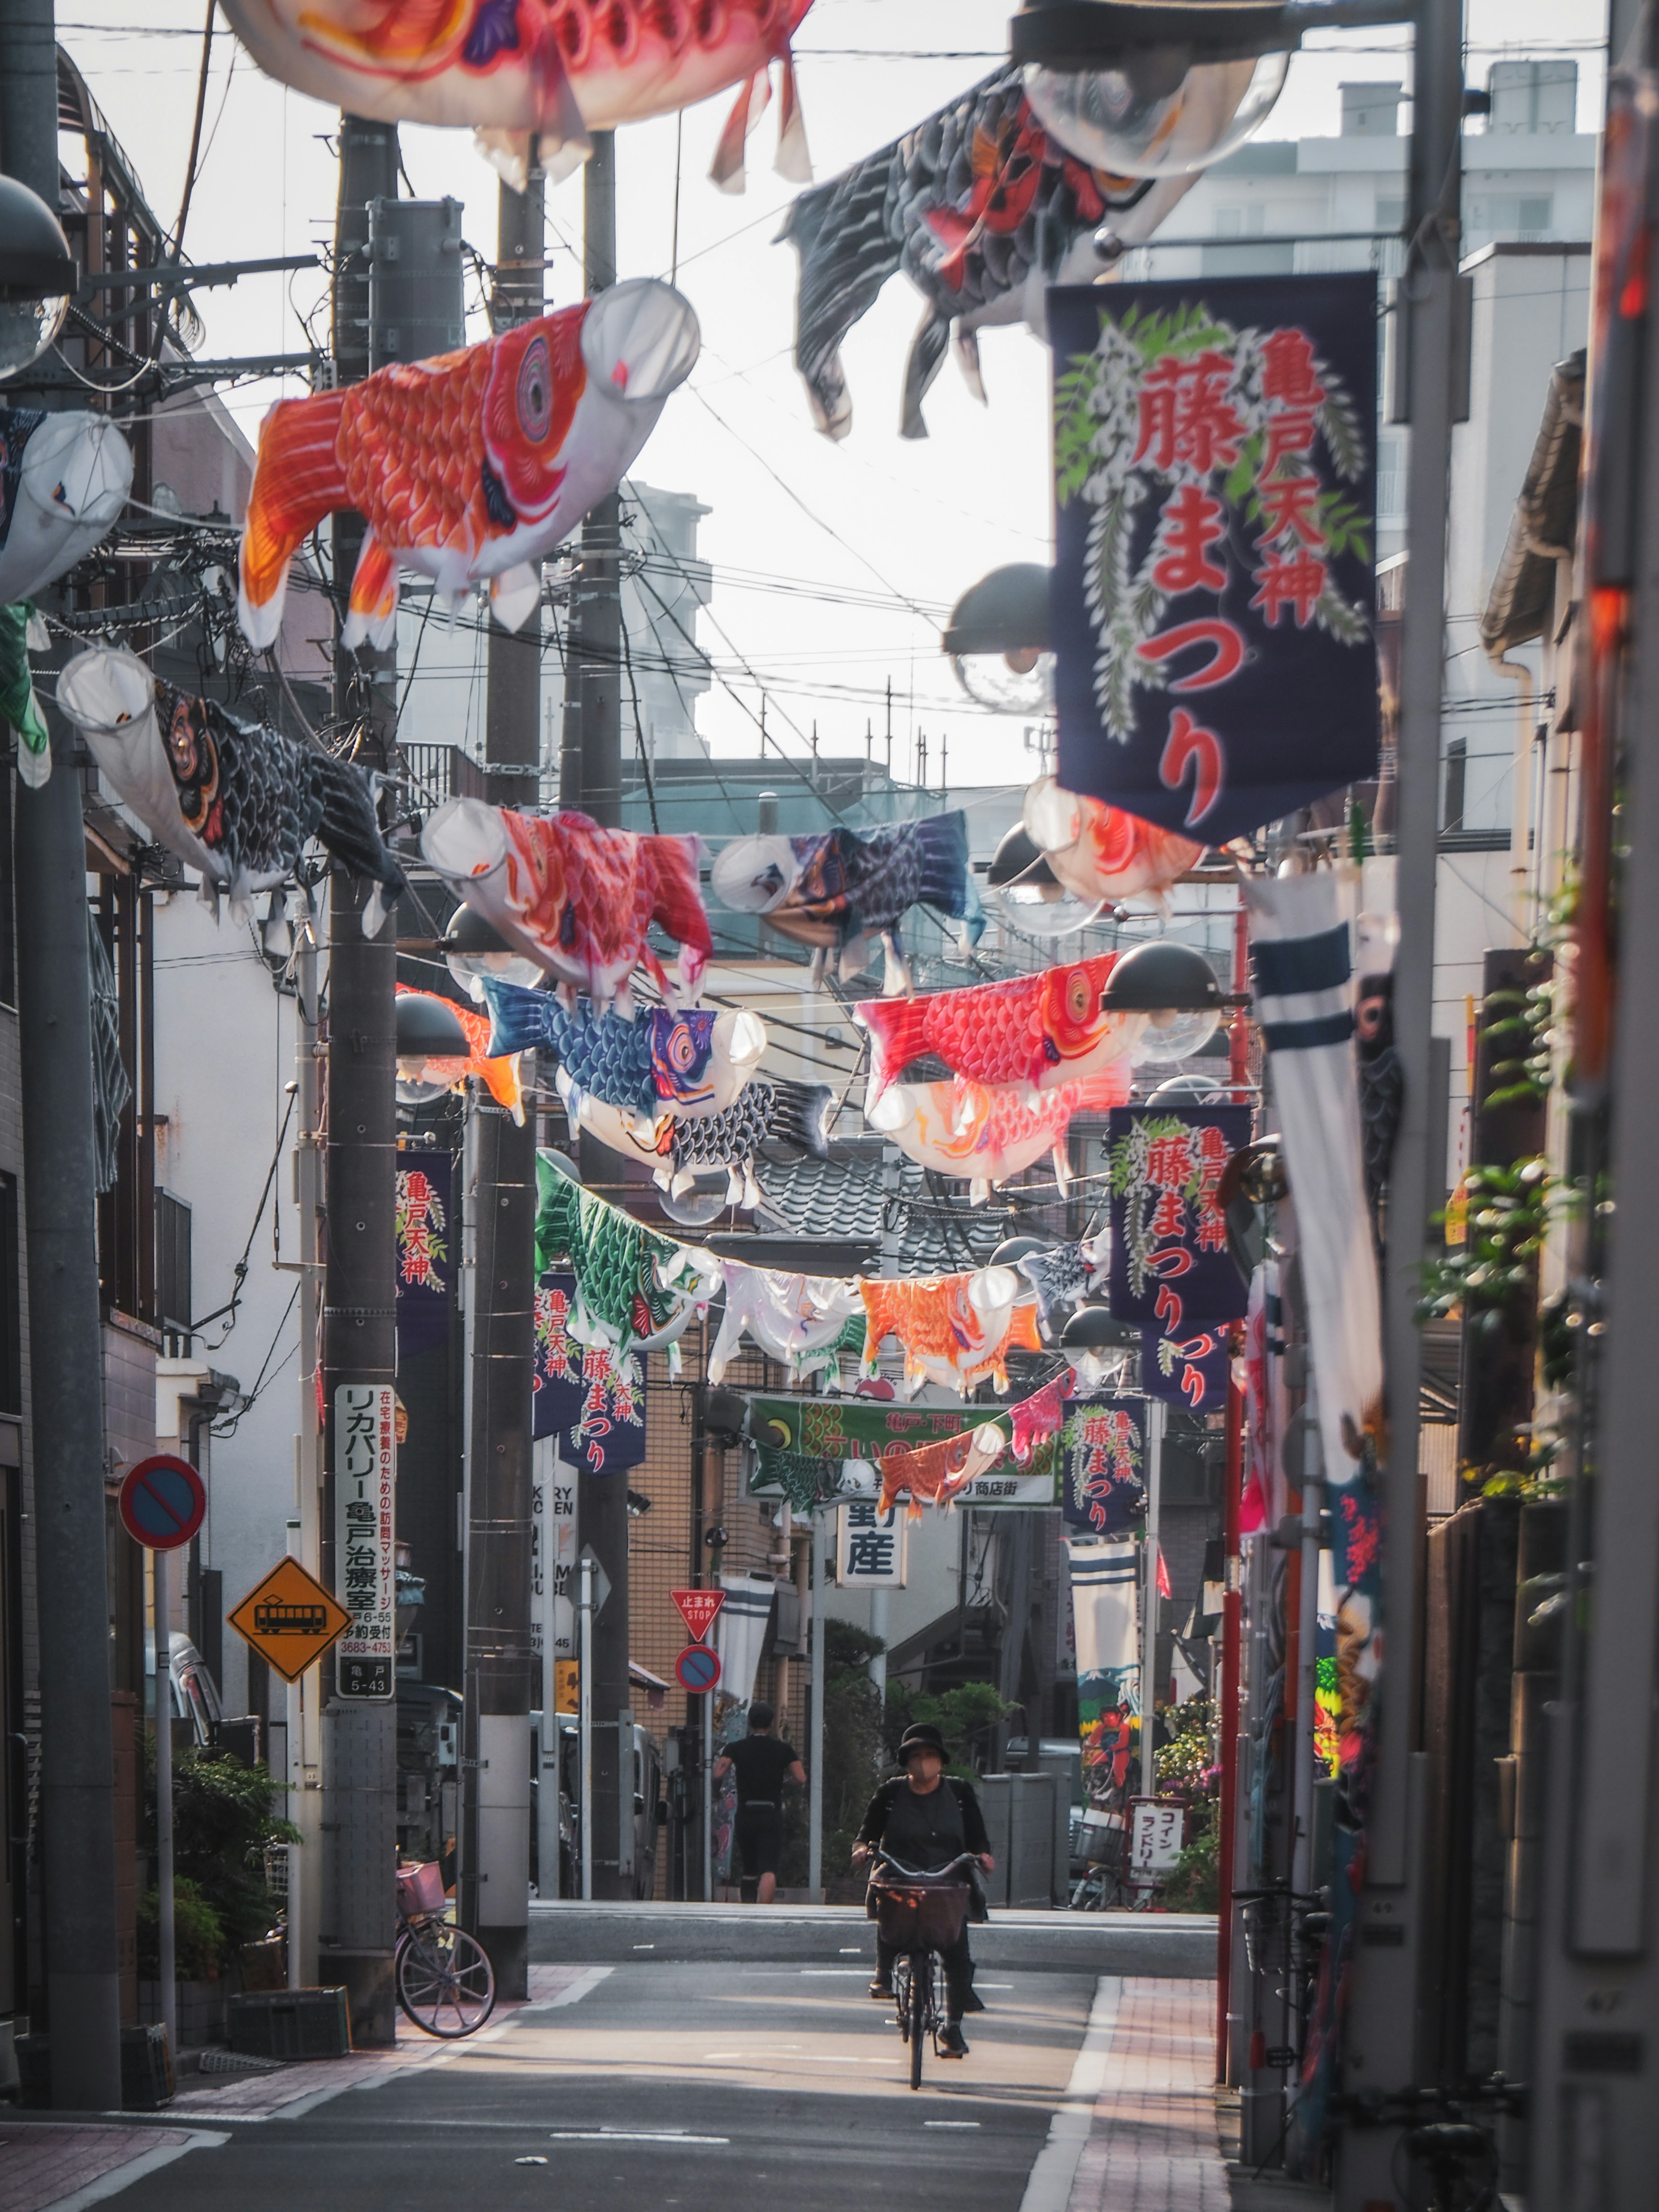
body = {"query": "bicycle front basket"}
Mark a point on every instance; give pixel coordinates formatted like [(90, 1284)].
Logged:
[(420, 1889), (921, 1915)]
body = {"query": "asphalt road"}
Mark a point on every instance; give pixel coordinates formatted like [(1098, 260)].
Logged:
[(688, 2086)]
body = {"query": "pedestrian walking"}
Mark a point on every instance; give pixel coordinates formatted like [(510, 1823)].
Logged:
[(763, 1765)]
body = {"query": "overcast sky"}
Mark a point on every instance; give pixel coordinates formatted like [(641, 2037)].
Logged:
[(877, 535)]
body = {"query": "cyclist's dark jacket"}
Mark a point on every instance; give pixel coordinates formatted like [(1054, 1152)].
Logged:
[(927, 1830)]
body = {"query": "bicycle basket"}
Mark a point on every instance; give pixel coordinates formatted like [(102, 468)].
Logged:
[(420, 1889), (921, 1915)]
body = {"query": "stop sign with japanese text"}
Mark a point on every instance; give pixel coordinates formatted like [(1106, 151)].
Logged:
[(1214, 588)]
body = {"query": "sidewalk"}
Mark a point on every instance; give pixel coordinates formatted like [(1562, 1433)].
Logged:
[(54, 2166), (1153, 2146)]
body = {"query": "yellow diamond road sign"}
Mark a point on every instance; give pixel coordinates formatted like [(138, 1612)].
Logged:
[(289, 1618)]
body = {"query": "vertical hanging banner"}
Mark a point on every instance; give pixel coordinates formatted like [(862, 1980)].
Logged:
[(1190, 1370), (1104, 1580), (1214, 588), (426, 1265), (1105, 1448), (584, 1395), (365, 1533), (553, 1555), (1170, 1263)]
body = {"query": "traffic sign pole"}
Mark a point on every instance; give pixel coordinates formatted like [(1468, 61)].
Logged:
[(164, 1918)]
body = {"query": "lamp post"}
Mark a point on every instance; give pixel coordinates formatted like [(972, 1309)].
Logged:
[(37, 275)]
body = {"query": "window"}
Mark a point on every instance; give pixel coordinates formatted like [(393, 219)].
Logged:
[(1457, 769), (172, 1285)]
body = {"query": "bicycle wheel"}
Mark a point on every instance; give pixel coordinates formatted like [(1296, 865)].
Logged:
[(922, 2006), (901, 1997), (445, 1982)]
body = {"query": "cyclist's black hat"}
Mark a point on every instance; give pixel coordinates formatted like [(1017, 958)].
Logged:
[(923, 1736)]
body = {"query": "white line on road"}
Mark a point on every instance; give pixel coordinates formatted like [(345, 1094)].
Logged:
[(622, 2134), (577, 1990), (949, 2123), (835, 1973), (1049, 2187), (123, 2177)]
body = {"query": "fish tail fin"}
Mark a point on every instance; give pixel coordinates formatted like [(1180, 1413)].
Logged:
[(677, 904), (372, 611), (347, 824), (297, 480), (928, 350), (516, 1021), (726, 171), (947, 877), (794, 162), (897, 1030), (850, 245), (801, 1115)]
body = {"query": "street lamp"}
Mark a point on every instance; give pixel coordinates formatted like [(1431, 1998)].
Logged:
[(473, 949), (426, 1031), (1153, 88), (1030, 894), (1177, 990), (997, 638), (37, 276)]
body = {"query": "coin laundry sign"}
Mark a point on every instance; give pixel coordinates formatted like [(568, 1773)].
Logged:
[(1214, 588), (365, 1526)]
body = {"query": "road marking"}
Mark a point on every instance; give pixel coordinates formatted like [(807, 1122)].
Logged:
[(123, 2177), (852, 1950), (949, 2123), (573, 1995), (1048, 2188), (839, 1973), (623, 2135), (645, 1946), (530, 2161)]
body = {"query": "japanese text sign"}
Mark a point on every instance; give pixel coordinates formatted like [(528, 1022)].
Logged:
[(1215, 509), (590, 1400), (1157, 1832), (1169, 1262), (698, 1609), (1189, 1368), (365, 1532), (426, 1263), (1105, 1445), (870, 1544)]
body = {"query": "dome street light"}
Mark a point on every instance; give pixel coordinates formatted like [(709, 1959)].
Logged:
[(997, 638), (472, 949), (1154, 88), (1028, 893), (37, 276), (1176, 988), (426, 1031)]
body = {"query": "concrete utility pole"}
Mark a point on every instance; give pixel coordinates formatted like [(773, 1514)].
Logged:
[(590, 777), (78, 1781), (495, 1856), (1382, 2044), (1594, 2112), (359, 1336), (305, 1753)]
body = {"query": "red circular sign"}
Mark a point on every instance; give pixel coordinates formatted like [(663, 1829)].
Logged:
[(163, 1502), (698, 1668)]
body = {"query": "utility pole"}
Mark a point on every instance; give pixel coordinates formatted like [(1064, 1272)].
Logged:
[(305, 1754), (1381, 2041), (591, 778), (1156, 1416), (359, 1319), (496, 1854), (77, 1786)]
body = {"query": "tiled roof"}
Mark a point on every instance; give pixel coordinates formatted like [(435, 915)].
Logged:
[(844, 1198)]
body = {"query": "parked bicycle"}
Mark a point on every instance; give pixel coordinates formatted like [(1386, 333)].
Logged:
[(1446, 2157), (921, 1915), (445, 1984)]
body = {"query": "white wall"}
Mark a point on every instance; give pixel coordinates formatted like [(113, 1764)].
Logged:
[(224, 1050)]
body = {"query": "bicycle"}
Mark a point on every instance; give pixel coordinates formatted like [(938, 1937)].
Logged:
[(920, 1914), (445, 1984), (1450, 2157)]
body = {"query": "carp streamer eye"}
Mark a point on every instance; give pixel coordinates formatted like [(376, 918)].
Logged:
[(681, 1049), (536, 391), (1078, 995)]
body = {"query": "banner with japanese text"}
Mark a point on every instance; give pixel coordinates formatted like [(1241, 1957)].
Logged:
[(1214, 588), (1104, 1444), (1189, 1368), (1169, 1264), (815, 1449), (426, 1251), (590, 1400)]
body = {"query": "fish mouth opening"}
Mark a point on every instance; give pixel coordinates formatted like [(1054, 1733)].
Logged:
[(640, 340)]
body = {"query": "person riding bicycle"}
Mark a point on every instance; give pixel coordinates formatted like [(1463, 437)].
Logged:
[(926, 1818)]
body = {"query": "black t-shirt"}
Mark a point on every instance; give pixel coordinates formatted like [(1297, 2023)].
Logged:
[(925, 1830), (761, 1762)]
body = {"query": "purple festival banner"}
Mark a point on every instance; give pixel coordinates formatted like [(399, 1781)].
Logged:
[(590, 1400)]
